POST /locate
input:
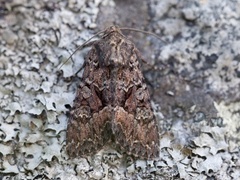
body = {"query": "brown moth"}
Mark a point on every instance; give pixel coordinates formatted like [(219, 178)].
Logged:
[(112, 103)]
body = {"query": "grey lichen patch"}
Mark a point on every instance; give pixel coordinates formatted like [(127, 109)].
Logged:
[(212, 137), (208, 30), (9, 36), (32, 156), (9, 131)]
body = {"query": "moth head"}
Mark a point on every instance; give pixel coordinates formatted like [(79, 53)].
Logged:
[(112, 29)]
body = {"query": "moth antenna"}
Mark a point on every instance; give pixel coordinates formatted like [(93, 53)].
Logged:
[(86, 43), (142, 31)]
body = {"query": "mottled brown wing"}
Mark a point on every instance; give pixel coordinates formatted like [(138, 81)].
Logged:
[(89, 123), (136, 137), (137, 132), (135, 127)]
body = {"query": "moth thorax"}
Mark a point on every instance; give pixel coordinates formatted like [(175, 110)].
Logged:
[(115, 60)]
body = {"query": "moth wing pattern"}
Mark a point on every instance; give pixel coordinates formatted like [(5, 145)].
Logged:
[(134, 126), (113, 103), (88, 117)]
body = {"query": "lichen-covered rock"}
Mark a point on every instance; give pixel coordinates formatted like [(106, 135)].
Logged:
[(198, 112)]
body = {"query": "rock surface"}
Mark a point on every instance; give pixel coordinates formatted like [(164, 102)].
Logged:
[(195, 96)]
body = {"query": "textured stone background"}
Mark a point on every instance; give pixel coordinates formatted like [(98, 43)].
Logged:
[(195, 96)]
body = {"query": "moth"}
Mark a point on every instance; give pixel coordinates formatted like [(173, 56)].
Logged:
[(112, 103)]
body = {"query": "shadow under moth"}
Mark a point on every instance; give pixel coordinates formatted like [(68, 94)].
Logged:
[(112, 103)]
